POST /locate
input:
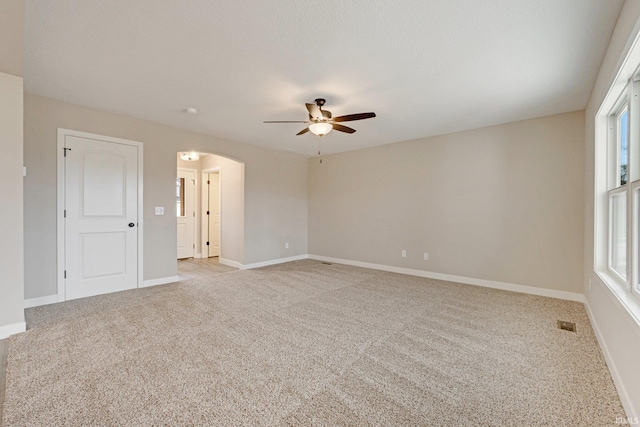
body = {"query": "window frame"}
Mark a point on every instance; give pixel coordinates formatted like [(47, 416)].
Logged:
[(610, 238), (627, 285), (635, 241), (633, 177), (624, 92), (615, 187), (624, 108)]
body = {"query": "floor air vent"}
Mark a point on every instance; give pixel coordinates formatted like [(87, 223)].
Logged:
[(566, 326)]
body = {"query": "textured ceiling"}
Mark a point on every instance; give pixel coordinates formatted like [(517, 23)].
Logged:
[(426, 67)]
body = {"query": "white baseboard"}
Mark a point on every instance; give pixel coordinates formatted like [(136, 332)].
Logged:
[(615, 375), (15, 328), (571, 296), (36, 302), (229, 263), (273, 262), (159, 281)]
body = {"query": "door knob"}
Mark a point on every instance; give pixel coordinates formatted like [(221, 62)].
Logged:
[(131, 224)]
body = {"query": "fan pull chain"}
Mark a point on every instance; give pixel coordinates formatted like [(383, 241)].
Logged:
[(319, 147)]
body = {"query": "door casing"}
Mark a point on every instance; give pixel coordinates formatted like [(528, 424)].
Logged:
[(61, 186)]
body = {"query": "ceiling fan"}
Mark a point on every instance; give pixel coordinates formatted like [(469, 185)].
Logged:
[(321, 121)]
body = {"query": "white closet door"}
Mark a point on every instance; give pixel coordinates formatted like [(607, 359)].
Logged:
[(186, 212), (101, 208)]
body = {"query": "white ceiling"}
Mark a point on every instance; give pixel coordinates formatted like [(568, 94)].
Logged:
[(426, 67)]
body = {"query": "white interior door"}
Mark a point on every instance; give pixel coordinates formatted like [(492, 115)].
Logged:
[(186, 212), (214, 214), (100, 217)]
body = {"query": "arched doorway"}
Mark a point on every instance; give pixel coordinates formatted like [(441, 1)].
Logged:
[(218, 206)]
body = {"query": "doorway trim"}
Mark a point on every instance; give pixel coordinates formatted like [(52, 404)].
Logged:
[(61, 187), (204, 195)]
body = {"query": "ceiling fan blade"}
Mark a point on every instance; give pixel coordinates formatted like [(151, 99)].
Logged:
[(286, 121), (352, 117), (315, 111), (303, 131), (341, 128)]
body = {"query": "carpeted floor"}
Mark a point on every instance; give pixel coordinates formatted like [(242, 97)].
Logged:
[(198, 267), (306, 344)]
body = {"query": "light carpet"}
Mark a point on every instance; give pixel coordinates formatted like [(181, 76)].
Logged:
[(306, 344)]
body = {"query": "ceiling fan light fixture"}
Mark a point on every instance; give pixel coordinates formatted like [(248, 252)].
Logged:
[(320, 129), (321, 122), (190, 156)]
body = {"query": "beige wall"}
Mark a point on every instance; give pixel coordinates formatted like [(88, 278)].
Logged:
[(11, 248), (11, 36), (232, 203), (275, 200), (502, 203), (11, 193), (619, 333), (11, 180)]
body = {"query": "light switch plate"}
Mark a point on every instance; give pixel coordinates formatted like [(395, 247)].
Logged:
[(159, 210)]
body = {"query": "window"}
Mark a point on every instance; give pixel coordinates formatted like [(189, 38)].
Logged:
[(618, 141), (617, 185), (618, 172), (618, 234), (180, 196), (622, 142)]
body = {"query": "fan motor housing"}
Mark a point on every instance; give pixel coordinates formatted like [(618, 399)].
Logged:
[(325, 115)]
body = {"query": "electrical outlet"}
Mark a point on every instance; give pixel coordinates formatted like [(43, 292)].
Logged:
[(286, 245), (426, 256), (404, 253)]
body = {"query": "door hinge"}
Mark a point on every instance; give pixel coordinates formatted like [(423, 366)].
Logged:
[(65, 151), (65, 274), (207, 243), (207, 212), (65, 213), (194, 214), (208, 182), (194, 246)]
